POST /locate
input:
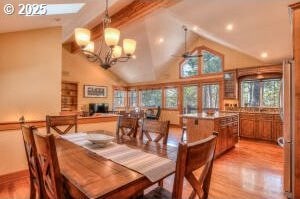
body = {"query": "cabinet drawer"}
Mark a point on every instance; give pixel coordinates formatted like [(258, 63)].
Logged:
[(247, 116), (223, 121), (228, 119), (235, 118), (266, 117)]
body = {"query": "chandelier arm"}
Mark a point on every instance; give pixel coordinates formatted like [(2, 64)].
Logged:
[(92, 56), (123, 59)]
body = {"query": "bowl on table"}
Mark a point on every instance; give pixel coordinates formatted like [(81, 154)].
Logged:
[(100, 139)]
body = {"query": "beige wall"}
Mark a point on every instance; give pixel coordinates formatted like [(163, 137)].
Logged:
[(30, 82), (232, 59), (12, 153), (30, 74), (77, 69)]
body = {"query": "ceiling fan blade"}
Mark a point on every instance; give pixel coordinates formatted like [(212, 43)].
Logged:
[(193, 56), (176, 55)]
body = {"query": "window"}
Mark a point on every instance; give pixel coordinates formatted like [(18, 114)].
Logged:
[(250, 93), (132, 97), (260, 93), (151, 98), (171, 98), (119, 98), (271, 93), (211, 63), (210, 96), (189, 68), (190, 99)]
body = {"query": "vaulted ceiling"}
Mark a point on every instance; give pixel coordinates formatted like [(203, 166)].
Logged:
[(258, 26)]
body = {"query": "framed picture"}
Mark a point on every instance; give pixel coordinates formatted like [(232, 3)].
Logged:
[(95, 91)]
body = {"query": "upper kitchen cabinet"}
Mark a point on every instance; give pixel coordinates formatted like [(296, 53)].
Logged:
[(230, 84), (260, 72)]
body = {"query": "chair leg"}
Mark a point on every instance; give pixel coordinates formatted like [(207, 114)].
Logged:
[(161, 183), (182, 134)]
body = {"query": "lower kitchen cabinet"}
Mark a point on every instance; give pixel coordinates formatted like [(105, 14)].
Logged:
[(260, 126)]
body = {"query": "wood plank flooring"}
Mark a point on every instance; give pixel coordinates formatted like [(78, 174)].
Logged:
[(252, 170)]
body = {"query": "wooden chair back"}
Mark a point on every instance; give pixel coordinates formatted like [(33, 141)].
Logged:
[(139, 114), (47, 157), (36, 187), (127, 126), (193, 156), (161, 128), (158, 113), (53, 122)]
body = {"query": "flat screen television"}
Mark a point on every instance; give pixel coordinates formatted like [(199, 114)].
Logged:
[(98, 108)]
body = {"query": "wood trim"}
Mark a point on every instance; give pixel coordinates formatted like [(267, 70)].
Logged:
[(136, 10), (5, 126), (175, 125), (295, 6), (12, 177)]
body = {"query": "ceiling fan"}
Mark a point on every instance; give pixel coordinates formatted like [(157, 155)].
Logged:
[(187, 54)]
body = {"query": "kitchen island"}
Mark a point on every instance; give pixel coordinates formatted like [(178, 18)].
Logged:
[(201, 125)]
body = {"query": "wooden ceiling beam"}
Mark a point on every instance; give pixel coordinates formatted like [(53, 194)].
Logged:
[(136, 10)]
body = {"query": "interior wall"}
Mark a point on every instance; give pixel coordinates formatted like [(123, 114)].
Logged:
[(232, 60), (76, 68), (30, 64), (30, 84)]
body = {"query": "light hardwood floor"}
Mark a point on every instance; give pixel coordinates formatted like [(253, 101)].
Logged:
[(252, 170)]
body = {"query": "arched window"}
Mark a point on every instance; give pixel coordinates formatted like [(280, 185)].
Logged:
[(211, 62)]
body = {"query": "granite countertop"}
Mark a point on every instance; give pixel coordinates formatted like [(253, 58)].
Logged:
[(205, 116), (253, 112)]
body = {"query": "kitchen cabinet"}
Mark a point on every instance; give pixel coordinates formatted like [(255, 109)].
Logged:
[(230, 84), (262, 126), (200, 126)]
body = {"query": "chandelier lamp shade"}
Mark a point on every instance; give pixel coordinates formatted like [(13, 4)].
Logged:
[(109, 52)]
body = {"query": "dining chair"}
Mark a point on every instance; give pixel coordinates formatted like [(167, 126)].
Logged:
[(35, 175), (53, 122), (127, 126), (154, 116), (48, 161), (161, 128), (191, 157)]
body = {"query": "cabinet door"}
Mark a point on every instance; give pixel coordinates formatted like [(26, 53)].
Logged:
[(247, 127), (235, 133), (265, 129), (223, 136), (277, 130), (230, 138)]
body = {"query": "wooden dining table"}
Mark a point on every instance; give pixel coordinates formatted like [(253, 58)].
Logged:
[(88, 175)]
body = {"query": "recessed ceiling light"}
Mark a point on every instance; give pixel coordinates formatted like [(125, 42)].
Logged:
[(161, 40), (61, 9), (195, 28), (133, 56), (229, 27), (264, 54)]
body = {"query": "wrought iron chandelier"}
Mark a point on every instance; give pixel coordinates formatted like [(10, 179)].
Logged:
[(109, 52)]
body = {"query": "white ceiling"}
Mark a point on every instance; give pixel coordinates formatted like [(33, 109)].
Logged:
[(259, 26), (92, 10)]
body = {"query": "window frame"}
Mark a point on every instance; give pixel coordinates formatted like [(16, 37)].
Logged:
[(149, 89), (200, 63), (124, 98), (165, 98), (129, 98), (260, 81)]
